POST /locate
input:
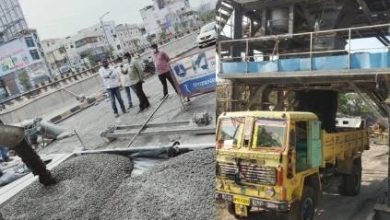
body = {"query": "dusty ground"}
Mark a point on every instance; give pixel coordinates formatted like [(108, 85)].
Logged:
[(336, 207), (84, 184)]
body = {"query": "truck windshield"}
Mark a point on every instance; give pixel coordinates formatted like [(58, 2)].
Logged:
[(269, 133), (229, 131)]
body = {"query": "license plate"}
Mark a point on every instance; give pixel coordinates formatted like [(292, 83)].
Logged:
[(241, 210), (241, 200)]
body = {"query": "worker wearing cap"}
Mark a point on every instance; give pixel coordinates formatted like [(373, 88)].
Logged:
[(111, 80)]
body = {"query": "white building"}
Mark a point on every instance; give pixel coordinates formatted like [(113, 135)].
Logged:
[(168, 16), (132, 37), (84, 49), (57, 56), (12, 20), (109, 34)]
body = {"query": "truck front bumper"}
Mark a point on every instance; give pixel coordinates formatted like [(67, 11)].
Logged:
[(278, 206)]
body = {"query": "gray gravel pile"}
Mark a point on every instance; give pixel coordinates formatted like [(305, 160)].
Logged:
[(85, 183), (180, 188)]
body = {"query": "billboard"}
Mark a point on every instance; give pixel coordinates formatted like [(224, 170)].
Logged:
[(14, 55), (195, 74)]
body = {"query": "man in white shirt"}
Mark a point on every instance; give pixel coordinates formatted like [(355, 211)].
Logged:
[(111, 80), (125, 79)]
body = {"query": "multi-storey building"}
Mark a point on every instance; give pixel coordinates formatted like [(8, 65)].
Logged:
[(110, 36), (22, 64), (132, 37), (12, 20)]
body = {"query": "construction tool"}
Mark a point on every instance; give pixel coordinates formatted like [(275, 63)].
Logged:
[(147, 121)]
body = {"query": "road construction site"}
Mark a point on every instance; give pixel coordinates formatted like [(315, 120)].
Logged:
[(135, 175)]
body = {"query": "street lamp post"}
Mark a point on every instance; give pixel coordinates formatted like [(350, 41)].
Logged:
[(104, 30)]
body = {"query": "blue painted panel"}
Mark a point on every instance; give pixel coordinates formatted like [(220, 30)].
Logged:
[(289, 65), (330, 63), (379, 60), (293, 65), (263, 67), (360, 60), (236, 67), (305, 64)]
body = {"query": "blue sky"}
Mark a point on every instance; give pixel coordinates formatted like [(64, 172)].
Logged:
[(60, 18)]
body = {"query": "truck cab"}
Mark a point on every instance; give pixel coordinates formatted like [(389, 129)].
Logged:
[(273, 161)]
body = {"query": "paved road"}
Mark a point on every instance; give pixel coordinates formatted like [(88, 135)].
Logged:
[(91, 122), (336, 207)]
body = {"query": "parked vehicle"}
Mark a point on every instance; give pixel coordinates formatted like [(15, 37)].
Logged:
[(65, 69), (281, 161), (149, 66), (208, 35)]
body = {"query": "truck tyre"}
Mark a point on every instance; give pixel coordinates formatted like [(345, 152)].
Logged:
[(306, 207), (351, 183)]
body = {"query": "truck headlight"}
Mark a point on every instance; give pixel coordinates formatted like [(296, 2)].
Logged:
[(218, 184)]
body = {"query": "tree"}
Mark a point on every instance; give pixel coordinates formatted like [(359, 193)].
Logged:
[(351, 104), (24, 80), (163, 35), (207, 16)]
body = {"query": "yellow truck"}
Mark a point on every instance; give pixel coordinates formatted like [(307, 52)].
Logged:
[(280, 161)]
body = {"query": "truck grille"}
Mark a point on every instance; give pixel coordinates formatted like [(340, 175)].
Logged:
[(248, 173)]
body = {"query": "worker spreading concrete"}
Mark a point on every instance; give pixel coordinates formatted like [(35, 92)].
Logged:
[(14, 138)]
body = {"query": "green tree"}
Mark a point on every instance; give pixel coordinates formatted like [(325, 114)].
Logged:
[(163, 35), (207, 16), (24, 80), (352, 105)]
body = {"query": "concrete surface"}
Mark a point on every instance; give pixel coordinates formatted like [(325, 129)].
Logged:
[(85, 182), (336, 207), (178, 189)]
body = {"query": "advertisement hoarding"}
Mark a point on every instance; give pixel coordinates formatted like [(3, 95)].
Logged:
[(14, 55), (195, 74)]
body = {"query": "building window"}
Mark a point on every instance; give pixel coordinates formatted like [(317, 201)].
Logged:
[(30, 42), (35, 55)]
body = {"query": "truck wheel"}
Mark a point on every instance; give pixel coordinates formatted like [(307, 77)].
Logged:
[(306, 207), (352, 182)]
